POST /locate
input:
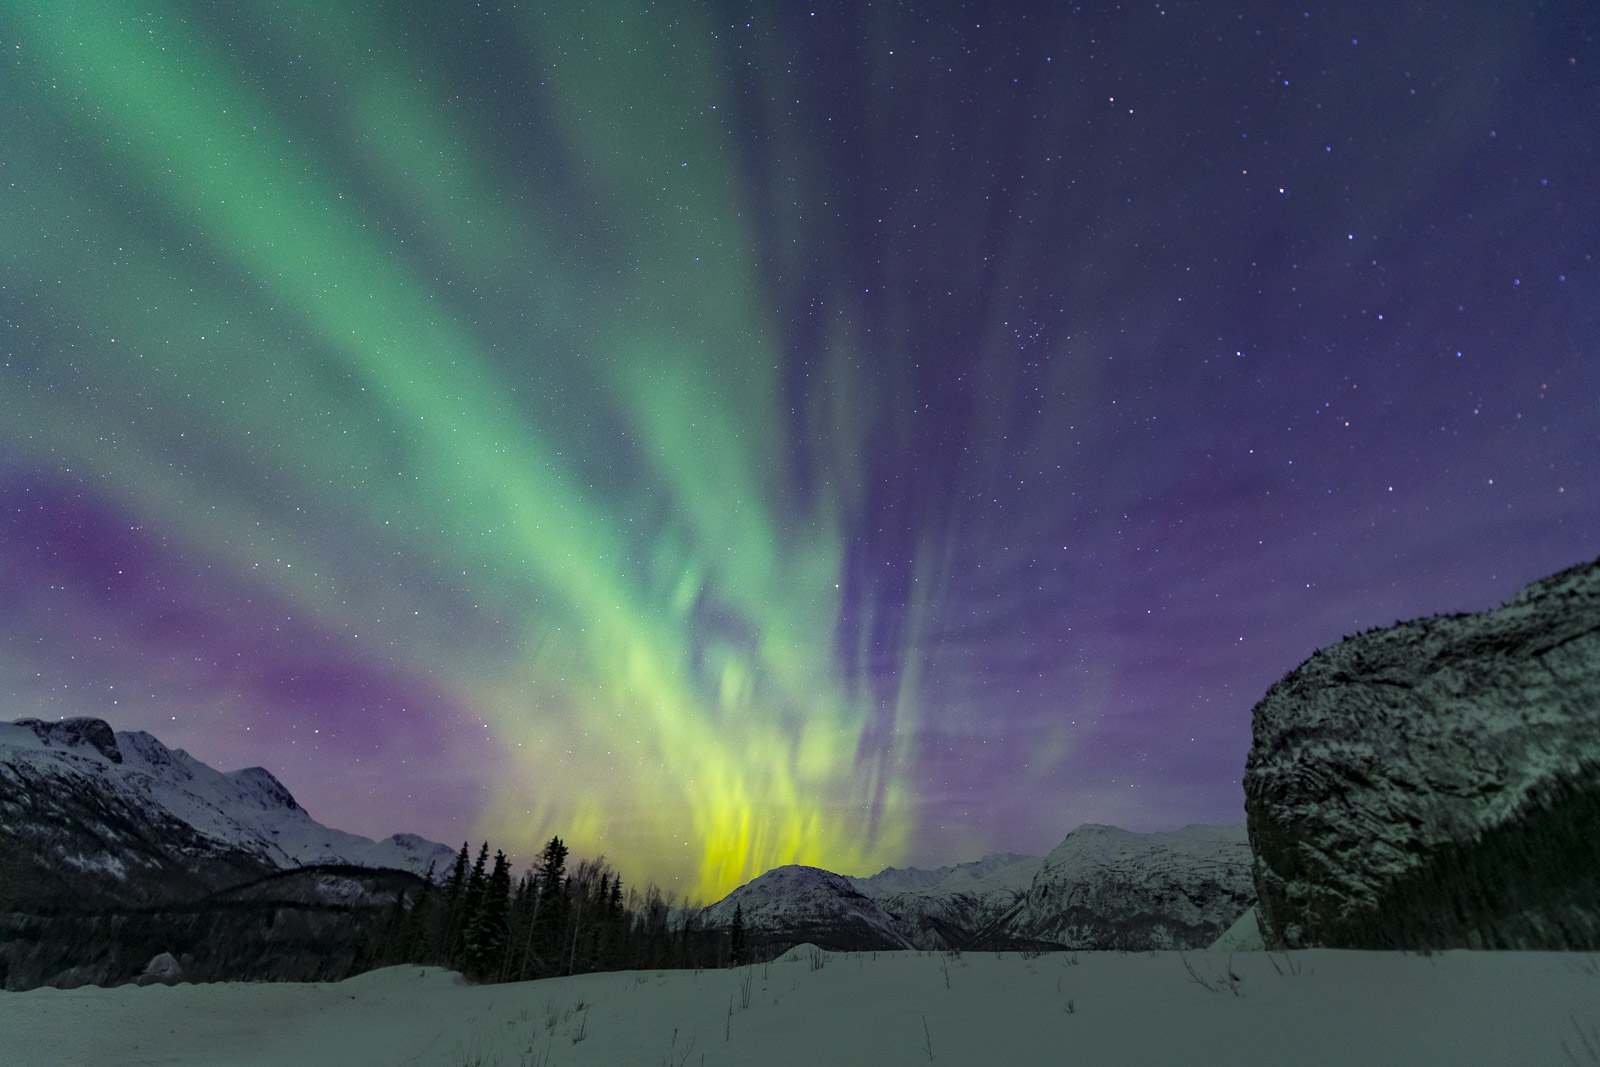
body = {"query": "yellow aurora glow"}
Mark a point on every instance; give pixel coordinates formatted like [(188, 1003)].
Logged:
[(669, 693)]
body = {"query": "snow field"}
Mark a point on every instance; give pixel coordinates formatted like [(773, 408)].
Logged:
[(812, 1007)]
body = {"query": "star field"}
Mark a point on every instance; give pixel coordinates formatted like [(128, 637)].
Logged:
[(729, 435)]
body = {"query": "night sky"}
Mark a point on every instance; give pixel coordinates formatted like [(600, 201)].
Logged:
[(736, 434)]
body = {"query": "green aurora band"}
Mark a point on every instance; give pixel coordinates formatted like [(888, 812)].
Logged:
[(564, 414)]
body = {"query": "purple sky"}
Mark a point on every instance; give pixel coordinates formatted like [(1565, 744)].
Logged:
[(849, 434)]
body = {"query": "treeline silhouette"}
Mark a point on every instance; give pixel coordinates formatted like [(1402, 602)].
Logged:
[(546, 923)]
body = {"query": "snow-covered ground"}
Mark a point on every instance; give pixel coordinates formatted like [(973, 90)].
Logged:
[(1104, 1008)]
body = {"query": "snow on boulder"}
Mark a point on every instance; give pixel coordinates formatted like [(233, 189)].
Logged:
[(1243, 936), (1436, 784), (163, 969)]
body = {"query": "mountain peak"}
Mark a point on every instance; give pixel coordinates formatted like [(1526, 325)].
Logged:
[(72, 733), (258, 783), (796, 903), (148, 822)]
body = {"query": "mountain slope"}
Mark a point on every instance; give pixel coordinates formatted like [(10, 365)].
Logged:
[(93, 817), (1100, 888), (1104, 887), (941, 908), (793, 905)]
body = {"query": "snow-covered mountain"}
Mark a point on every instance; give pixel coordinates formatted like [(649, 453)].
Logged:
[(793, 905), (1104, 887), (107, 817), (942, 907), (1100, 888)]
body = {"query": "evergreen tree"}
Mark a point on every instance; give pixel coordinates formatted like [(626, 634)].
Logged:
[(485, 943), (476, 880), (417, 947), (550, 917), (471, 897), (737, 953), (523, 908), (458, 875)]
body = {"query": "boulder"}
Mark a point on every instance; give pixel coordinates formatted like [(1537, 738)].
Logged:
[(162, 969), (1436, 784)]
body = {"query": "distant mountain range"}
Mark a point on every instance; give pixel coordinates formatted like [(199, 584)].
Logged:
[(1100, 888), (98, 822), (91, 818)]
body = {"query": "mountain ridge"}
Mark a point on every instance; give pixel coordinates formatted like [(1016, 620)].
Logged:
[(1172, 889), (136, 822)]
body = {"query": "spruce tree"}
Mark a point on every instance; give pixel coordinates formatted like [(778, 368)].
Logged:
[(416, 947), (550, 921), (458, 875), (466, 907), (485, 947), (448, 928), (737, 952)]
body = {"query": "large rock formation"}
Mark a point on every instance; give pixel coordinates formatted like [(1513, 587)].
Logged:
[(1436, 784)]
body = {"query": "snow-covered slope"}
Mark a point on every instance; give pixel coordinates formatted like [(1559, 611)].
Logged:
[(143, 822), (794, 904), (1104, 887), (1436, 783), (940, 908)]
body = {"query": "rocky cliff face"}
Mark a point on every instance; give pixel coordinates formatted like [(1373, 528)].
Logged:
[(1436, 784), (1104, 887)]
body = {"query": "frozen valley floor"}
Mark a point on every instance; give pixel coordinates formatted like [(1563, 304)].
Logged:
[(810, 1008)]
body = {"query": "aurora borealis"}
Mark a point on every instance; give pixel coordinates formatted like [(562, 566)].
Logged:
[(737, 434)]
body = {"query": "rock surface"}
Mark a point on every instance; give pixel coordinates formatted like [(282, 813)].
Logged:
[(1436, 784)]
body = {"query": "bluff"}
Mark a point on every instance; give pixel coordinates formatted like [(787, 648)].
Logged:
[(1436, 784)]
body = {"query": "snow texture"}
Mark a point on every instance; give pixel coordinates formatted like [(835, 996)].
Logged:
[(1243, 936), (1200, 1009), (1436, 784)]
